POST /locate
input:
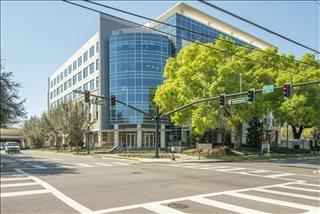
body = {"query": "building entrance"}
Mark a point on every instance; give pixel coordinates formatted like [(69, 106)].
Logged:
[(130, 140), (149, 140)]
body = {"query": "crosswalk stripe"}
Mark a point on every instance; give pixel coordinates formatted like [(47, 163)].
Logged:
[(196, 166), (39, 166), (120, 163), (225, 206), (18, 184), (271, 201), (298, 188), (103, 164), (158, 208), (313, 211), (15, 179), (31, 192), (216, 167), (289, 194), (232, 169), (259, 171), (83, 165), (278, 175)]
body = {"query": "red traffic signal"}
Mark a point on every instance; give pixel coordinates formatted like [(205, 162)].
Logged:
[(86, 96), (287, 90), (113, 100)]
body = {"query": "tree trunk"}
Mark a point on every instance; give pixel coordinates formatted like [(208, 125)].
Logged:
[(297, 133), (238, 136)]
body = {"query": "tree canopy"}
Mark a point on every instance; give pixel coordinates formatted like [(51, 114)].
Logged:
[(198, 72)]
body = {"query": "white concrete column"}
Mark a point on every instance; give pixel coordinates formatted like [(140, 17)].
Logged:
[(116, 134), (163, 136), (184, 136), (139, 136)]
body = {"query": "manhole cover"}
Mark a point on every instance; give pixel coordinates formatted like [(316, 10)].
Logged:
[(136, 172), (178, 205)]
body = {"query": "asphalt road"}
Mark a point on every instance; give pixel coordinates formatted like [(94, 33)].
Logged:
[(44, 182)]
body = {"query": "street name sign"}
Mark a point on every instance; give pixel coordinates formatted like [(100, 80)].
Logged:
[(238, 100), (266, 89)]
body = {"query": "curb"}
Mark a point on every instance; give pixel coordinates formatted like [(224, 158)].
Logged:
[(316, 172)]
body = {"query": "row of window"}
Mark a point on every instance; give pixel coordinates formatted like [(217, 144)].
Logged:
[(75, 79), (90, 85), (76, 64)]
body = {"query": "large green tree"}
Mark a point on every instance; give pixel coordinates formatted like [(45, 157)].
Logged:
[(11, 106), (198, 72)]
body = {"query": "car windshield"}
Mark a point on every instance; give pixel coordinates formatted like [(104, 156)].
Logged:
[(12, 144)]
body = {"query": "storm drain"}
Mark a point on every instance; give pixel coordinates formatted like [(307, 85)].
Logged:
[(178, 205)]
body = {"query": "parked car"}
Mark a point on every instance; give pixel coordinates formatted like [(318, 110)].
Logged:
[(12, 147), (2, 144)]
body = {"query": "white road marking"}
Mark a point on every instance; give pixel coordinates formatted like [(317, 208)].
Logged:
[(279, 175), (67, 200), (298, 188), (14, 179), (19, 184), (83, 165), (259, 171), (120, 163), (158, 208), (225, 206), (103, 164), (313, 211), (232, 169), (116, 209), (31, 192), (66, 166), (216, 167), (39, 167), (289, 194), (271, 201)]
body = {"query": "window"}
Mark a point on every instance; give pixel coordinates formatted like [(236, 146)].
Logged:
[(74, 65), (79, 76), (79, 61), (54, 81), (92, 84), (74, 79), (51, 83), (65, 72), (65, 86), (61, 76), (58, 79), (91, 68), (85, 86), (69, 83), (97, 64), (69, 69), (85, 56), (97, 82), (85, 72), (97, 47), (91, 51)]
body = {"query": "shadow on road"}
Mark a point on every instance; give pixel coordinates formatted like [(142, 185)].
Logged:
[(34, 165)]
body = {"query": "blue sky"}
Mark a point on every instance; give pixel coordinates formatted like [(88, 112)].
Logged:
[(38, 36)]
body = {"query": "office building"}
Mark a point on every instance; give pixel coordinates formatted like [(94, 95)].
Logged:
[(128, 61)]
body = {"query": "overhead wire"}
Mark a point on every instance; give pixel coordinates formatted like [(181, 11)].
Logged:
[(173, 35), (189, 30), (259, 26)]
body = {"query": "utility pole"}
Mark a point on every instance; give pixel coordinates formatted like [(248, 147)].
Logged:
[(157, 138), (88, 135), (287, 135)]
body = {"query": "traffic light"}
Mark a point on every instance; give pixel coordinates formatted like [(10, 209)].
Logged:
[(222, 100), (251, 95), (113, 100), (287, 90), (86, 96)]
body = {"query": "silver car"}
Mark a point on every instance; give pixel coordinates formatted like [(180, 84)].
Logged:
[(12, 147)]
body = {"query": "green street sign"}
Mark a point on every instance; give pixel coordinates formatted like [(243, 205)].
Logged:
[(238, 100), (266, 89), (98, 102)]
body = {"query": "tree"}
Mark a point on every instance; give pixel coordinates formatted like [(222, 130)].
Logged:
[(33, 130), (199, 72), (11, 107)]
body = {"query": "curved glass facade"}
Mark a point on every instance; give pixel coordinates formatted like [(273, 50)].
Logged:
[(136, 63)]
